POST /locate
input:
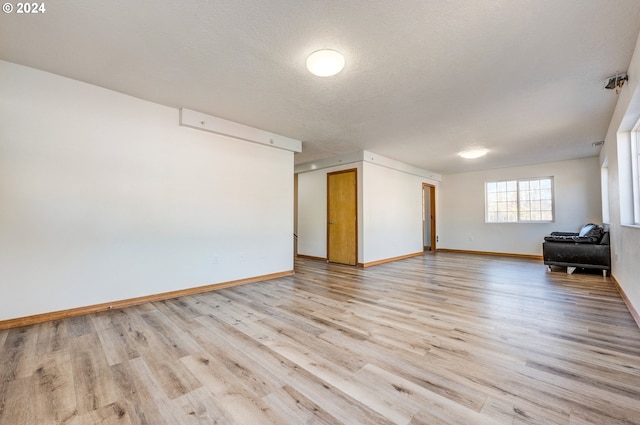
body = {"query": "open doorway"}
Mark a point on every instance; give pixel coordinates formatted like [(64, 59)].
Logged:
[(429, 217)]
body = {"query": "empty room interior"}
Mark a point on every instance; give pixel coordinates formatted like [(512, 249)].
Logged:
[(320, 212)]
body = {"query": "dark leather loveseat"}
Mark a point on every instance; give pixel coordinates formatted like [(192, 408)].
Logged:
[(587, 249)]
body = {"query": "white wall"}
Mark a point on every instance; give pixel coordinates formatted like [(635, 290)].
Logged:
[(625, 239), (392, 216), (461, 221), (103, 197)]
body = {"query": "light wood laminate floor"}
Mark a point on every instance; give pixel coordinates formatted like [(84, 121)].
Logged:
[(440, 339)]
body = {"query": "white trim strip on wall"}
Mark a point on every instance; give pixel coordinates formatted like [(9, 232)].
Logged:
[(200, 121)]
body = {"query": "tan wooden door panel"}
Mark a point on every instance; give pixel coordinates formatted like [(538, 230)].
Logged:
[(429, 215), (342, 223)]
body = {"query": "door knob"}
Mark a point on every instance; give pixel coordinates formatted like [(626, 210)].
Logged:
[(331, 222)]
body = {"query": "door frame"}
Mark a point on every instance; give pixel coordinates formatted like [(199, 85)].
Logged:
[(355, 171), (432, 212)]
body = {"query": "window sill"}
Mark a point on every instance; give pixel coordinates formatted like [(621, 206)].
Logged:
[(522, 222), (631, 226)]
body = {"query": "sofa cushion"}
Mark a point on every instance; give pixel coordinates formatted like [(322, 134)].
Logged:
[(572, 239), (564, 234), (591, 230)]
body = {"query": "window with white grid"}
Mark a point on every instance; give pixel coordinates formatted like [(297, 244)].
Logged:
[(635, 172), (519, 201)]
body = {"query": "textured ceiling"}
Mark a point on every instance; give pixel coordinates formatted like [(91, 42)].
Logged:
[(423, 79)]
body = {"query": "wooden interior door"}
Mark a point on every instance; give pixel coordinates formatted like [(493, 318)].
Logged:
[(429, 216), (342, 217)]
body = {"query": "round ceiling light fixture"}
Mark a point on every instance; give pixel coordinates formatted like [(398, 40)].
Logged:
[(325, 63), (473, 153)]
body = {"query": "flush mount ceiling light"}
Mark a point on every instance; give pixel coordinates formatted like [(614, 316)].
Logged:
[(473, 153), (325, 63)]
